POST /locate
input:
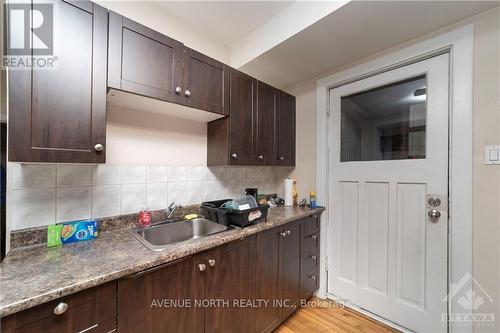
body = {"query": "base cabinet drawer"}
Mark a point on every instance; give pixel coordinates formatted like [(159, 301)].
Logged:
[(310, 283), (92, 310)]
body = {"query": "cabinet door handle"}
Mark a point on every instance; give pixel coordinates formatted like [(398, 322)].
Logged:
[(282, 158), (98, 147), (211, 262), (60, 308), (314, 257), (202, 267), (235, 156), (260, 157), (178, 90), (187, 93)]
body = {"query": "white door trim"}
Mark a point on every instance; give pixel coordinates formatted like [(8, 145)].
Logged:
[(460, 44)]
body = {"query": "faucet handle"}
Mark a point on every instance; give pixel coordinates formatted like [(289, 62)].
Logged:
[(171, 205)]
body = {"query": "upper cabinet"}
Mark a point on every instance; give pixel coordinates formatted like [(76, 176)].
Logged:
[(265, 124), (143, 61), (260, 129), (59, 114), (205, 83), (285, 134)]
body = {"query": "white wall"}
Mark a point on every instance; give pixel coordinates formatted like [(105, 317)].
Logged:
[(486, 179)]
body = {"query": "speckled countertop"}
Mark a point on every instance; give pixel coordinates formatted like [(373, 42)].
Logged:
[(35, 275)]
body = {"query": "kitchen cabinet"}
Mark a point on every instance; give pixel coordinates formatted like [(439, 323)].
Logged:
[(260, 129), (160, 299), (226, 273), (265, 144), (143, 61), (286, 130), (92, 310), (59, 114), (230, 141), (291, 267), (205, 83), (310, 252)]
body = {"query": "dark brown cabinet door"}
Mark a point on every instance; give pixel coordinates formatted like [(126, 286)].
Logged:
[(265, 146), (92, 310), (291, 267), (205, 82), (141, 298), (229, 279), (267, 281), (59, 114), (243, 96), (286, 130), (143, 61)]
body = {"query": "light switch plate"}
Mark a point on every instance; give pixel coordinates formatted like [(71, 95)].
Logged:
[(492, 155)]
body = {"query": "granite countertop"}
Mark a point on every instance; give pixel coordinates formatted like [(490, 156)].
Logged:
[(34, 275)]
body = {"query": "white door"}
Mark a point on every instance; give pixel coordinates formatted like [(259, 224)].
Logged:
[(388, 159)]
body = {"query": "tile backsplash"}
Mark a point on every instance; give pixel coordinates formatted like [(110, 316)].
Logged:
[(43, 194)]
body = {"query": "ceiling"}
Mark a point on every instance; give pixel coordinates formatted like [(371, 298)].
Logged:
[(225, 21), (354, 31)]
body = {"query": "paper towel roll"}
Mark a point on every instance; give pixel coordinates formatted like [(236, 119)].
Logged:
[(288, 191)]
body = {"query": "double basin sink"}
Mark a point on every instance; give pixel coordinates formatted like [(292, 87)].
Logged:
[(167, 235)]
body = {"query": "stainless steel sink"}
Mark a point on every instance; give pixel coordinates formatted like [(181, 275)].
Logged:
[(163, 236)]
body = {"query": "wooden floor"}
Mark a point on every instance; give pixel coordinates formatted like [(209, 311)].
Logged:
[(326, 316)]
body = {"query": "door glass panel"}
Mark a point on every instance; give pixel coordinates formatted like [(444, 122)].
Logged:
[(385, 123)]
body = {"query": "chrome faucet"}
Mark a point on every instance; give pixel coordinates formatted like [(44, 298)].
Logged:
[(172, 208)]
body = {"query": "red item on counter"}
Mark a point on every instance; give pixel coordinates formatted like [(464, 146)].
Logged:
[(145, 218)]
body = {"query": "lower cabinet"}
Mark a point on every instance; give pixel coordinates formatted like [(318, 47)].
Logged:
[(249, 285), (225, 277), (159, 300), (91, 310)]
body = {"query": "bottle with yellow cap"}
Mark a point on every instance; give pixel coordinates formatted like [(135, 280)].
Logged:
[(312, 199)]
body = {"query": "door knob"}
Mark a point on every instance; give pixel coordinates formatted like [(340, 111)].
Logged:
[(187, 93), (260, 157), (202, 267), (234, 155), (434, 214), (211, 262), (178, 90), (60, 308), (98, 147)]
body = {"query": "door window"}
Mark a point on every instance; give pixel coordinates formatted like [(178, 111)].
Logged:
[(385, 123)]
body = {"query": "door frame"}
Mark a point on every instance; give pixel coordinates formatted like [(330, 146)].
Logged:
[(459, 44)]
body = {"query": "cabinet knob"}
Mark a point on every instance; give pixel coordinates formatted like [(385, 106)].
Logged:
[(98, 147), (187, 93), (314, 257), (314, 237), (202, 267), (282, 158), (288, 232), (313, 277), (283, 234), (260, 157), (234, 155), (60, 308), (211, 262), (178, 90)]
